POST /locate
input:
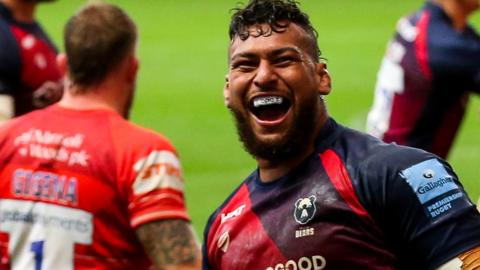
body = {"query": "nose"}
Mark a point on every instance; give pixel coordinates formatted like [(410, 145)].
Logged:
[(265, 76)]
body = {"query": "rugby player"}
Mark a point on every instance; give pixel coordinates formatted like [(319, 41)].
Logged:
[(80, 186), (431, 66), (324, 196), (29, 76)]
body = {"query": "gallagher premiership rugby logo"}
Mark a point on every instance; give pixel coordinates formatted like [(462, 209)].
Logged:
[(305, 209)]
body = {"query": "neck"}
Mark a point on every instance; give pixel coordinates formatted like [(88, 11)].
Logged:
[(22, 11), (101, 97), (271, 170), (456, 12)]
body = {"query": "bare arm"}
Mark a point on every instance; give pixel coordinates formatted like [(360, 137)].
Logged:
[(469, 260), (171, 244)]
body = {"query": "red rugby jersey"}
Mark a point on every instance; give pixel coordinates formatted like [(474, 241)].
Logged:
[(74, 186)]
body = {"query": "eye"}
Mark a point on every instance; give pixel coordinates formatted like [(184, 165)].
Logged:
[(285, 60), (244, 65)]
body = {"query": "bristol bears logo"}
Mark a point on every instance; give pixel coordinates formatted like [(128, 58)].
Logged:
[(305, 209)]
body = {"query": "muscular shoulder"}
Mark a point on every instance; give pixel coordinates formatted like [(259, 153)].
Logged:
[(128, 136), (233, 200), (363, 151), (145, 160), (377, 168), (383, 159), (414, 197), (234, 203)]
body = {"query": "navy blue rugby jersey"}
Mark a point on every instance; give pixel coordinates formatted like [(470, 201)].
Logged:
[(423, 86), (27, 60), (355, 203)]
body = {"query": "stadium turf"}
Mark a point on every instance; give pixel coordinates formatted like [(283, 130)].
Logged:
[(183, 52)]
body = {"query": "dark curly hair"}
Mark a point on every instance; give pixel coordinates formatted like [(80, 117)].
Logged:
[(277, 14)]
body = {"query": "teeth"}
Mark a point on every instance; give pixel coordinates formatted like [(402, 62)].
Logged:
[(262, 101)]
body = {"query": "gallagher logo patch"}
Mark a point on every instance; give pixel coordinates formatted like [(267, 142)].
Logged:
[(305, 209), (435, 188)]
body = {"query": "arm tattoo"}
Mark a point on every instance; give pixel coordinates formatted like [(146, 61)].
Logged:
[(169, 242)]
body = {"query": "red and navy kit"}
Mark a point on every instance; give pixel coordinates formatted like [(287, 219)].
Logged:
[(27, 60), (424, 82), (355, 203), (74, 186)]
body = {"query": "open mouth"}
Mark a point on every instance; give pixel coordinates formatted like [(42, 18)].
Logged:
[(270, 108)]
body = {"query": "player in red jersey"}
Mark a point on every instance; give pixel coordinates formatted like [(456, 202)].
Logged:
[(80, 186), (29, 76), (324, 196)]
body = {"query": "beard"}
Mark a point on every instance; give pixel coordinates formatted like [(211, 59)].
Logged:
[(291, 145)]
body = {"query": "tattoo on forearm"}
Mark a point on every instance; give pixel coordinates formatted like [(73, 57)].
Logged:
[(169, 242)]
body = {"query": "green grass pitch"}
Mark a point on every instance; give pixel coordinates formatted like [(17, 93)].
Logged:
[(183, 55)]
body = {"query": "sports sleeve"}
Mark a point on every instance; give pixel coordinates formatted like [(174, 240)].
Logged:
[(155, 185), (10, 63), (423, 209)]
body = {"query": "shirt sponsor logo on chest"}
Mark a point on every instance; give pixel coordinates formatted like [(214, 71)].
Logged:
[(233, 214), (304, 263)]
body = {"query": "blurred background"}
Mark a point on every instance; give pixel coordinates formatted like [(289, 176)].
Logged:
[(183, 56)]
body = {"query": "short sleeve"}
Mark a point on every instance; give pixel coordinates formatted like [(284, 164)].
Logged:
[(424, 211), (10, 63), (155, 185)]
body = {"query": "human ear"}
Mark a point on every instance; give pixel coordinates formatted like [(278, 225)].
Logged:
[(132, 69), (226, 92), (324, 79), (62, 63)]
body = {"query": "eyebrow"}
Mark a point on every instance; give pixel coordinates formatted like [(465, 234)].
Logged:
[(243, 55), (286, 49), (272, 53)]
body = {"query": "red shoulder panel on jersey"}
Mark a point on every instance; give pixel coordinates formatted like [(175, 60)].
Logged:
[(338, 174)]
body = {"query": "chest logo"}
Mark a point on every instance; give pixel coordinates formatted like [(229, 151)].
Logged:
[(235, 213), (305, 209)]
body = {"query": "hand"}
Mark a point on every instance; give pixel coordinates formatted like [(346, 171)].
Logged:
[(47, 94)]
